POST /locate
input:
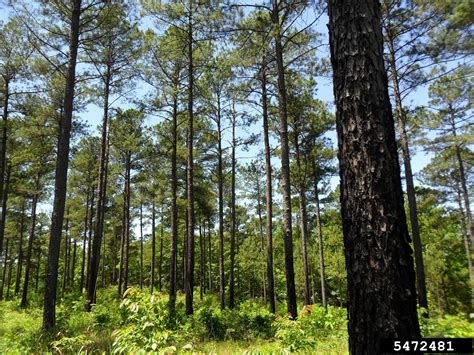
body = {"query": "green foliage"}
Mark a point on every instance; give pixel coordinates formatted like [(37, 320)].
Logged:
[(313, 324), (449, 326)]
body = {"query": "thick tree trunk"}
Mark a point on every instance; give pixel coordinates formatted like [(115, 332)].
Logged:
[(268, 191), (285, 164), (3, 156), (174, 209), (381, 277), (99, 209), (29, 252), (60, 186), (233, 216), (189, 276), (84, 240), (412, 205), (322, 274)]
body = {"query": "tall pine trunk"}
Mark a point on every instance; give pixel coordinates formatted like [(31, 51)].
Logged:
[(29, 252), (3, 156), (99, 209), (412, 205), (19, 268), (174, 208), (60, 185), (381, 277), (285, 164), (220, 177), (268, 192), (153, 244), (4, 195), (233, 216), (84, 241), (304, 218), (189, 273), (322, 274), (5, 266)]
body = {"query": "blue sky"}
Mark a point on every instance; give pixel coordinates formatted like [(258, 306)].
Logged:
[(92, 115)]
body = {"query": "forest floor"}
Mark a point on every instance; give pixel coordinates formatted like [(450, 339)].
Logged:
[(142, 323)]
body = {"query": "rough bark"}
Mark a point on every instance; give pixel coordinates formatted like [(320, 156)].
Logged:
[(381, 277), (60, 185), (285, 164), (268, 192)]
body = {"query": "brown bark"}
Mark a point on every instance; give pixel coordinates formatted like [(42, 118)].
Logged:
[(285, 164), (381, 277), (4, 194), (60, 186)]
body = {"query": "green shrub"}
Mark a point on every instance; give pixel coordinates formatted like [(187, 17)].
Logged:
[(313, 323), (449, 326)]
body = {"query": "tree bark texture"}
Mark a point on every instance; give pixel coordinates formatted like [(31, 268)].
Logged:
[(381, 277)]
